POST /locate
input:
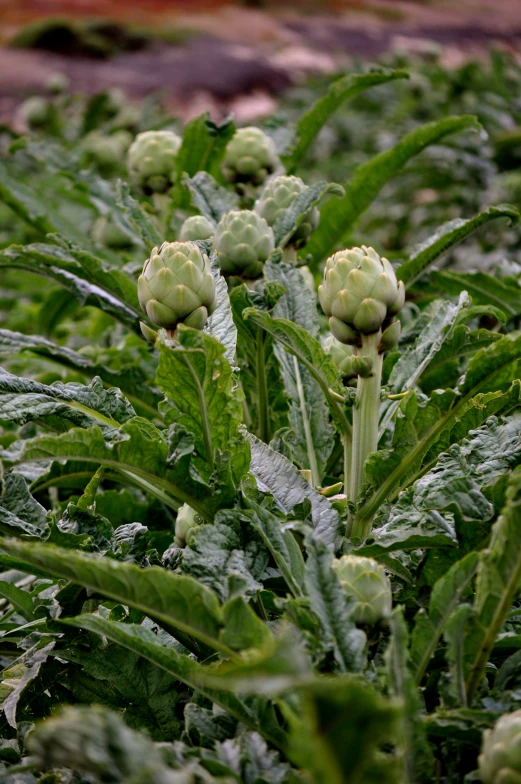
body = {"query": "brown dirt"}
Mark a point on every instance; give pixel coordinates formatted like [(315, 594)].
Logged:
[(240, 57)]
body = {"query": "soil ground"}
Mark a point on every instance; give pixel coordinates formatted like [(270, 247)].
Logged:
[(239, 59)]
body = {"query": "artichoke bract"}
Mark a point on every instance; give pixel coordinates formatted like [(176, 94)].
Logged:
[(196, 228), (243, 241), (365, 580), (500, 758), (360, 294), (250, 156), (177, 285), (279, 194), (341, 354), (152, 160)]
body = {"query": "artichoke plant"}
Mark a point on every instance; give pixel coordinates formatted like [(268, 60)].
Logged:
[(365, 580), (177, 285), (35, 111), (152, 160), (250, 156), (360, 294), (500, 758), (107, 152), (196, 228), (243, 241), (278, 194)]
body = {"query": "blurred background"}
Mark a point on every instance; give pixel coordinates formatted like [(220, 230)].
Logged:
[(226, 57)]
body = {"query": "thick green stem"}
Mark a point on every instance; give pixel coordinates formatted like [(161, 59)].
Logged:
[(163, 207), (366, 414), (262, 389), (310, 446)]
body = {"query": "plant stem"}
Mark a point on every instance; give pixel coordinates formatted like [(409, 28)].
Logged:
[(365, 420), (310, 446), (262, 389), (162, 205), (289, 254)]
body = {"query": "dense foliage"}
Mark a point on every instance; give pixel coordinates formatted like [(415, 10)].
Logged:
[(247, 535)]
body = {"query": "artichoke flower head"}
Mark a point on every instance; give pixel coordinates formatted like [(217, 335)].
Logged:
[(360, 294), (500, 758), (177, 285)]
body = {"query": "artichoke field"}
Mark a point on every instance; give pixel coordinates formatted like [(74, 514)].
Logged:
[(260, 436)]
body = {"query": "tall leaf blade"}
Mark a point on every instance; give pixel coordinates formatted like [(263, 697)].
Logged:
[(447, 237), (339, 92), (337, 218)]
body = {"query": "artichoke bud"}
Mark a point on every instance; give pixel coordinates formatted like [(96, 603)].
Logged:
[(243, 241), (362, 366), (35, 111), (152, 160), (250, 156), (106, 152), (365, 580), (390, 336), (57, 83), (341, 354), (500, 758), (186, 521), (279, 194), (359, 291), (177, 285), (196, 228)]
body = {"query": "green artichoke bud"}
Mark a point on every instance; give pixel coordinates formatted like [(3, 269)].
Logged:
[(185, 522), (277, 196), (106, 152), (360, 292), (365, 580), (57, 83), (250, 156), (107, 233), (390, 336), (500, 758), (35, 111), (152, 160), (196, 228), (177, 285), (95, 741), (341, 354), (362, 366), (243, 241)]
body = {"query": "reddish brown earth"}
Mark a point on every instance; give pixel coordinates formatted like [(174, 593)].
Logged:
[(241, 58)]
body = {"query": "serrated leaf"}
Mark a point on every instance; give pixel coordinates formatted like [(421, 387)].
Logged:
[(142, 223), (131, 381), (186, 669), (278, 475), (310, 353), (20, 513), (203, 397), (338, 217), (23, 400), (308, 414), (447, 237), (220, 324), (211, 199), (485, 289), (174, 601), (291, 217), (332, 606), (445, 597)]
